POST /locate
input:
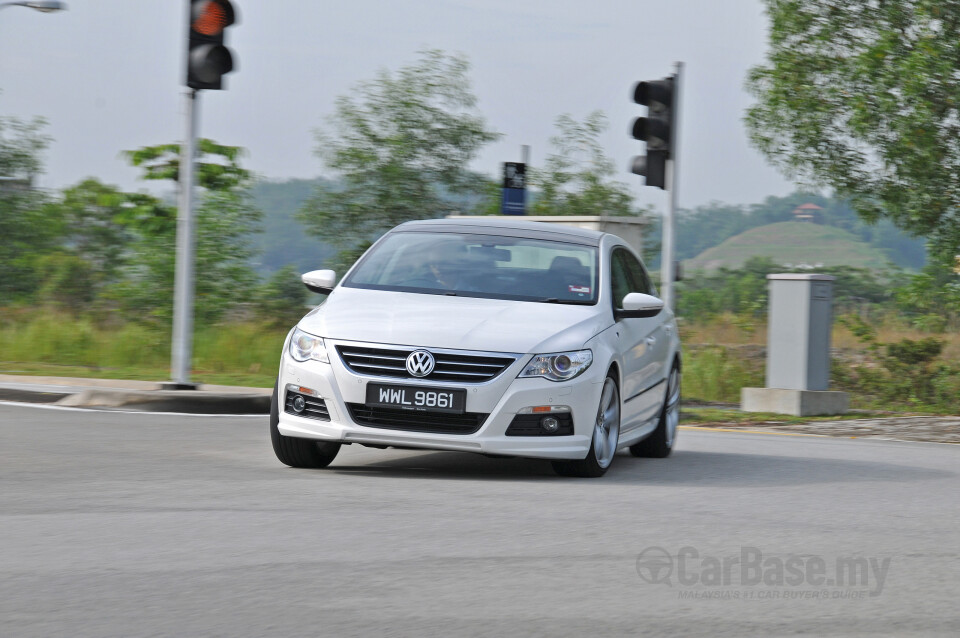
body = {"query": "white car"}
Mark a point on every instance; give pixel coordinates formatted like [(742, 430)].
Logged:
[(502, 337)]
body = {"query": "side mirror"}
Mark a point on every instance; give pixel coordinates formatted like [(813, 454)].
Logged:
[(637, 305), (321, 281)]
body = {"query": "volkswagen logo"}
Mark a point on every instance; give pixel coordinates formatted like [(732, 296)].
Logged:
[(420, 363)]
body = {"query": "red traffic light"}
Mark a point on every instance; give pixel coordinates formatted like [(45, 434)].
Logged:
[(208, 58), (211, 17)]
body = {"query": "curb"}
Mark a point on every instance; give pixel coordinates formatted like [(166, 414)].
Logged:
[(31, 396), (193, 401), (187, 401)]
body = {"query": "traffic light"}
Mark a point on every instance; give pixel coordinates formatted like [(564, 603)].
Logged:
[(208, 60), (656, 129)]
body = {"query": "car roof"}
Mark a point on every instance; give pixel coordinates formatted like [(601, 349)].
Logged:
[(509, 227)]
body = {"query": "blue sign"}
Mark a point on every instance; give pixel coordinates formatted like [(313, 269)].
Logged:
[(514, 202)]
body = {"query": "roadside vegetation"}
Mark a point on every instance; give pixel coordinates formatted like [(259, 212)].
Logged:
[(888, 351), (86, 274)]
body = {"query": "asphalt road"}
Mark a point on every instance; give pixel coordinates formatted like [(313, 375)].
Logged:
[(119, 524)]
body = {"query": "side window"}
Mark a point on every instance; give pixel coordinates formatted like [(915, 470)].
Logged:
[(619, 277), (639, 279)]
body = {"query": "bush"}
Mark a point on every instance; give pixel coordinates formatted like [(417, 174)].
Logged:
[(906, 373)]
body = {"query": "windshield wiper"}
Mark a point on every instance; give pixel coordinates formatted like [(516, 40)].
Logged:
[(572, 302)]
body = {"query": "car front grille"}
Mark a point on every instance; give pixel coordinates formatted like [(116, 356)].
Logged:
[(396, 419), (313, 407), (450, 367)]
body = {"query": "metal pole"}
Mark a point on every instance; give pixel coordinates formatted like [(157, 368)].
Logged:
[(668, 251), (182, 347), (525, 154)]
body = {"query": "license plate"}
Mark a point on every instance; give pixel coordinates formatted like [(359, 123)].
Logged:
[(417, 398)]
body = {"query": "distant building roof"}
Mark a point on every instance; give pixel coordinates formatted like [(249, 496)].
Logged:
[(806, 212)]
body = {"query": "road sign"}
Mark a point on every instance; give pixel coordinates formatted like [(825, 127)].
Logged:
[(514, 200), (514, 175)]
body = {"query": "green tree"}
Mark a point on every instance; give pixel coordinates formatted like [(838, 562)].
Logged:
[(93, 223), (862, 97), (65, 280), (577, 176), (932, 296), (226, 221), (400, 145), (26, 230), (217, 168)]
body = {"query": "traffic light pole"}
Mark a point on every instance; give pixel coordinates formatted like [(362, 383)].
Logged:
[(182, 347), (668, 273)]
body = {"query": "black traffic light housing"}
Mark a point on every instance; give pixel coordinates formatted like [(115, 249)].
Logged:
[(656, 129), (208, 60)]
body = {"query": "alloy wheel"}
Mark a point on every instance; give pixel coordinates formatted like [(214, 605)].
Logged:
[(606, 433)]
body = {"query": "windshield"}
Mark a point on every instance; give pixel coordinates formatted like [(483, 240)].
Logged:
[(487, 266)]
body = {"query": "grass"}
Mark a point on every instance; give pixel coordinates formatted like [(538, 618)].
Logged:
[(728, 352), (60, 345), (720, 357), (732, 330), (716, 373)]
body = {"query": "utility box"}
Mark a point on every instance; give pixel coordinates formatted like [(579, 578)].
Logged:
[(798, 349), (798, 333)]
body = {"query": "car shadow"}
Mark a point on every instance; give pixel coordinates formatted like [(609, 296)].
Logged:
[(451, 465), (723, 469)]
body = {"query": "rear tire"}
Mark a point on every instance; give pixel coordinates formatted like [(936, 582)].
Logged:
[(304, 453), (606, 436), (659, 444)]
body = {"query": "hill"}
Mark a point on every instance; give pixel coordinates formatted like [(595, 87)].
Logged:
[(706, 226), (792, 244), (284, 240)]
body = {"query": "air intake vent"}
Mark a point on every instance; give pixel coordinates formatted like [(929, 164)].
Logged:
[(392, 419)]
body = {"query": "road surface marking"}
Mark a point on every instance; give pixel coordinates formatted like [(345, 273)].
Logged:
[(46, 406)]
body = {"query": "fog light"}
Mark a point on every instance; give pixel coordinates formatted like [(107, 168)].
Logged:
[(550, 424), (298, 404)]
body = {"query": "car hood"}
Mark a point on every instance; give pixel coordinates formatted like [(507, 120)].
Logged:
[(466, 323)]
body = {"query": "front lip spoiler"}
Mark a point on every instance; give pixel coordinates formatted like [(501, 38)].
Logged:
[(414, 442)]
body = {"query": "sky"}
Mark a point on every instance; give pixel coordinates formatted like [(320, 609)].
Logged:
[(108, 75)]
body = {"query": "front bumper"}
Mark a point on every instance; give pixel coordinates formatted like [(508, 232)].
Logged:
[(500, 398)]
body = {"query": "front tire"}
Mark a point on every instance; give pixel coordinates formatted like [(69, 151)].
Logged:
[(659, 444), (606, 436), (303, 453)]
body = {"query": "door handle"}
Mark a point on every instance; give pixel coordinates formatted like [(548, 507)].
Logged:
[(650, 341)]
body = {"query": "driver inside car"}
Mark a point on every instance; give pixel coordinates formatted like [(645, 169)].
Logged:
[(447, 264)]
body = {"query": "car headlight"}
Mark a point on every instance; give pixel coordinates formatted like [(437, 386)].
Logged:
[(559, 366), (304, 347)]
